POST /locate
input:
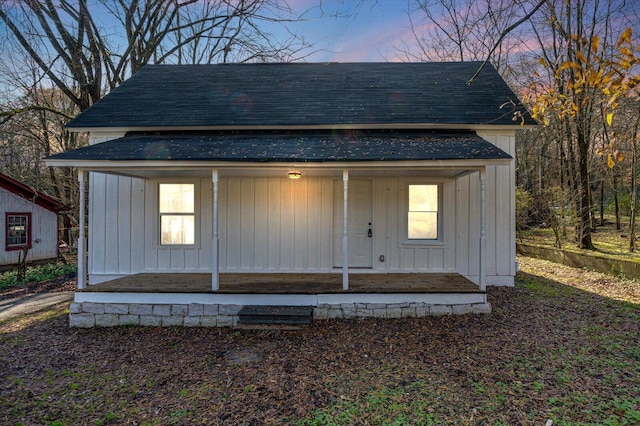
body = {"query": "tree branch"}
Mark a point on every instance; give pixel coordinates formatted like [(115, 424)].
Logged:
[(503, 35), (8, 115)]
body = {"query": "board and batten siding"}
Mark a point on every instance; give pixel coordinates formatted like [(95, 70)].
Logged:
[(500, 261), (269, 224), (44, 229)]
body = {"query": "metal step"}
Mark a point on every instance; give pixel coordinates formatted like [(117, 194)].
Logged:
[(290, 315)]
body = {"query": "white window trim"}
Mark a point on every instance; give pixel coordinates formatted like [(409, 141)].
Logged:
[(405, 241), (156, 214)]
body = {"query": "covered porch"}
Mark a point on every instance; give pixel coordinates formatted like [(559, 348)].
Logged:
[(312, 229)]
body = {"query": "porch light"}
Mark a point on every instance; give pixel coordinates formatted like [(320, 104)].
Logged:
[(294, 174)]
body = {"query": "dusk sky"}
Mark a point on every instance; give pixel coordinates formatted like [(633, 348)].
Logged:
[(373, 32)]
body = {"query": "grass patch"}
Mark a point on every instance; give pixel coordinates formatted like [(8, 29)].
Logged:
[(608, 241), (392, 407), (38, 273), (543, 287)]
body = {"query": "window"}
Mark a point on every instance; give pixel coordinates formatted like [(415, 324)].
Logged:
[(177, 213), (422, 219), (18, 231)]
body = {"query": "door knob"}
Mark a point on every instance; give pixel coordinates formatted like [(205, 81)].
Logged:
[(370, 233)]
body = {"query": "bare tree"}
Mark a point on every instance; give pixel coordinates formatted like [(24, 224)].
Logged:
[(463, 30), (84, 58), (59, 57)]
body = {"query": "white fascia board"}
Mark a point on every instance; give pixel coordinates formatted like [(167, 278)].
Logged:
[(401, 126)]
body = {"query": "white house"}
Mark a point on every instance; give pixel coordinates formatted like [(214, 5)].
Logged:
[(358, 189), (28, 220)]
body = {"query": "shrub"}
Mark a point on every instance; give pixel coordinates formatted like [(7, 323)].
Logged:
[(524, 202), (37, 274)]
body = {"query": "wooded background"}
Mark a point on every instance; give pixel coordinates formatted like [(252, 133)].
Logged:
[(574, 63)]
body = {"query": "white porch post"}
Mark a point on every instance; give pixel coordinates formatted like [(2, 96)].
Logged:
[(215, 277), (483, 222), (345, 238), (82, 239)]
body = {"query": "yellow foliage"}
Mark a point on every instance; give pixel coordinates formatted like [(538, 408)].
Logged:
[(581, 57), (618, 156), (595, 43), (625, 37)]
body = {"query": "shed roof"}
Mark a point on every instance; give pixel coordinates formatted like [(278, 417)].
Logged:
[(285, 95), (22, 190), (290, 147)]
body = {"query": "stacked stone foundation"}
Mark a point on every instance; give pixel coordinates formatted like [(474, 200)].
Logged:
[(91, 314)]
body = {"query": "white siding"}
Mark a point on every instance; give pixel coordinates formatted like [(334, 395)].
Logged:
[(44, 229), (123, 223), (501, 227), (283, 225), (275, 224)]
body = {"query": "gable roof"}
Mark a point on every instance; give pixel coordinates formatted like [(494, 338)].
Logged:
[(304, 95), (30, 194), (290, 146)]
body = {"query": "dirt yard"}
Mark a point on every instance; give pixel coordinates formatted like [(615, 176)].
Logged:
[(563, 346)]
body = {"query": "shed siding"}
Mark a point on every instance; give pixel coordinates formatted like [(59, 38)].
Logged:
[(44, 228)]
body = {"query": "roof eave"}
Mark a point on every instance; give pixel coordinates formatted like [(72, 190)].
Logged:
[(97, 165), (341, 126), (31, 195)]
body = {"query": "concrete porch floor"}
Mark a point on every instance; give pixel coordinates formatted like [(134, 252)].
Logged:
[(289, 283)]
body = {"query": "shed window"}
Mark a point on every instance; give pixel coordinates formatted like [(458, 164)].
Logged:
[(422, 217), (177, 213), (18, 231)]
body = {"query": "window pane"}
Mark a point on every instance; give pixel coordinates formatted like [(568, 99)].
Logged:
[(423, 198), (177, 198), (17, 230), (177, 230), (423, 225)]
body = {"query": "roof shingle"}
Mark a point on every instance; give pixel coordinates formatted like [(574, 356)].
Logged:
[(290, 146), (304, 94)]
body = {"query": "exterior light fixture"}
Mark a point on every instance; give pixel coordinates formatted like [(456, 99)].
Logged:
[(294, 174)]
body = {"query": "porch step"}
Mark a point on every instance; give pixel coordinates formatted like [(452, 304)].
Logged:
[(290, 315)]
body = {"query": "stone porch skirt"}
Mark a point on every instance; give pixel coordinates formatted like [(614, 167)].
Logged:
[(95, 314)]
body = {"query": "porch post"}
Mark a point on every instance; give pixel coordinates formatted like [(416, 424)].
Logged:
[(215, 278), (82, 241), (483, 222), (345, 238)]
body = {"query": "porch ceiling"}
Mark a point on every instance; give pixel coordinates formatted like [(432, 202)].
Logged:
[(175, 172)]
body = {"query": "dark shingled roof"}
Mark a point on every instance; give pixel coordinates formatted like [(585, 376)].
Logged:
[(291, 146), (305, 94)]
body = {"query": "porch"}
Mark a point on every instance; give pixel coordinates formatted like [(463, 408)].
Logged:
[(288, 283), (188, 299)]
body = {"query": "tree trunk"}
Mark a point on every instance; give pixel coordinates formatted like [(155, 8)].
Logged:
[(634, 194), (602, 201), (616, 202), (584, 199)]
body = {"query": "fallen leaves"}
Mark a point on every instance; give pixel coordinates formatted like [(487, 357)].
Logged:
[(562, 346)]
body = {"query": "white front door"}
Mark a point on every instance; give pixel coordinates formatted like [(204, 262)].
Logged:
[(359, 223)]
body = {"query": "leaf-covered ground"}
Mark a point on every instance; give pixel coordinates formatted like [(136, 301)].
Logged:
[(564, 345)]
